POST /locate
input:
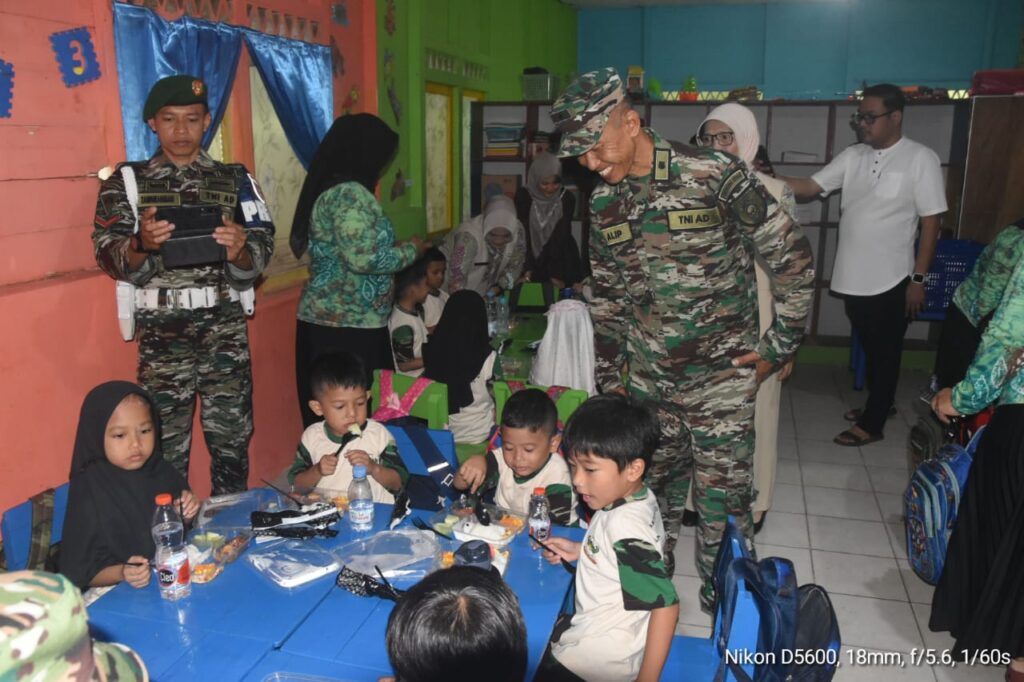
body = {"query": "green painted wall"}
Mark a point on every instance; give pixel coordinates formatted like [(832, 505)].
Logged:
[(500, 36)]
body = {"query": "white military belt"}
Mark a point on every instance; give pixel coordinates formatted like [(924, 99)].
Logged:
[(194, 298)]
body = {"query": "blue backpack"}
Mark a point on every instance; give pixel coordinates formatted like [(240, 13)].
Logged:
[(791, 618), (930, 506)]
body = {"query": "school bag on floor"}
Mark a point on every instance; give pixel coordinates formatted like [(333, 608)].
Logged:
[(930, 505), (791, 618)]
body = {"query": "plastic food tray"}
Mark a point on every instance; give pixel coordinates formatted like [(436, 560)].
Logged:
[(465, 527)]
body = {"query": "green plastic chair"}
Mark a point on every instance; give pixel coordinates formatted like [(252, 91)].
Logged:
[(432, 404), (566, 405)]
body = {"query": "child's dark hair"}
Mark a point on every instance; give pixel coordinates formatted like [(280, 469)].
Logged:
[(338, 370), (614, 427), (433, 255), (531, 409), (410, 276), (461, 624)]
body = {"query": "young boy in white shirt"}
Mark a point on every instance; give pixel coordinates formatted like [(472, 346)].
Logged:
[(626, 605), (525, 457), (433, 306), (330, 449), (406, 325)]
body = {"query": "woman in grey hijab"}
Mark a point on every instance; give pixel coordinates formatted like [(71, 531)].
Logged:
[(546, 209)]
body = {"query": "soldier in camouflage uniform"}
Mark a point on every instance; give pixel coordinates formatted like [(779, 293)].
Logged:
[(190, 326), (44, 635), (675, 231)]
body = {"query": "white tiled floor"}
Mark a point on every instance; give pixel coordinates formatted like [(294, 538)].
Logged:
[(837, 515)]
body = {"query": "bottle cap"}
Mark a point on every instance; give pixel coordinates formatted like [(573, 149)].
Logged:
[(163, 498), (359, 471), (539, 491)]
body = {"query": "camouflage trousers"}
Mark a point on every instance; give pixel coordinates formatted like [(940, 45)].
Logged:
[(185, 353), (707, 436)]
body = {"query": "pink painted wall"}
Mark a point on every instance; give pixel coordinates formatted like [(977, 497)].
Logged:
[(60, 335)]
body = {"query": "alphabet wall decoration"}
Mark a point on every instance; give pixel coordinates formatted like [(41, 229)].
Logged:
[(6, 88), (76, 56)]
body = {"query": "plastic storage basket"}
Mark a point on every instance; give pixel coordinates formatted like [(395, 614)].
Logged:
[(539, 87), (954, 260)]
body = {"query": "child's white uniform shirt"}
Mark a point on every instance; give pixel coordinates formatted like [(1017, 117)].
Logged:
[(620, 578), (515, 495), (374, 440), (433, 307), (408, 334)]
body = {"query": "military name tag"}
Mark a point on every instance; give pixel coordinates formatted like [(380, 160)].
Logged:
[(694, 218), (221, 184), (617, 234), (159, 199), (210, 196)]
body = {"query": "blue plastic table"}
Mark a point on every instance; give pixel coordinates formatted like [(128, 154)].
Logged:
[(225, 627)]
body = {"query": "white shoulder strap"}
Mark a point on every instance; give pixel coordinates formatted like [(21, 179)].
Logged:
[(131, 190)]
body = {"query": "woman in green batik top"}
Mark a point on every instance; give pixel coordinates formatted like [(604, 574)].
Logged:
[(980, 597), (353, 255)]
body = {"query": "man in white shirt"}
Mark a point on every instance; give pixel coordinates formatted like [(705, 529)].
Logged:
[(888, 183)]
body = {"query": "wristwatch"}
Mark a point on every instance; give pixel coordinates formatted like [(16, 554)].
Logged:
[(917, 278)]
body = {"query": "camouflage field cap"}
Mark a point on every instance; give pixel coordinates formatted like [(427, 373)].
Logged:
[(581, 111), (44, 635), (174, 91)]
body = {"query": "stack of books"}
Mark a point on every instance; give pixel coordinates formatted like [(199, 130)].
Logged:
[(503, 139)]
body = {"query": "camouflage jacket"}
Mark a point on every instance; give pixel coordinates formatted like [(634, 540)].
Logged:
[(673, 266), (162, 183)]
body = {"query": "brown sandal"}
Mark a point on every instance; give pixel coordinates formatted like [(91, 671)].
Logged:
[(851, 439)]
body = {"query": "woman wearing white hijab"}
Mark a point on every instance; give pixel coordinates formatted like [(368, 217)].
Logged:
[(487, 251), (546, 209), (732, 128)]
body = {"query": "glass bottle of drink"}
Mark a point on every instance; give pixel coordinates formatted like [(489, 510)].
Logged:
[(360, 500), (172, 569), (540, 515), (501, 316)]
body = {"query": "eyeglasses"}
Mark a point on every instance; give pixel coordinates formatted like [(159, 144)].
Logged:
[(725, 139), (857, 117)]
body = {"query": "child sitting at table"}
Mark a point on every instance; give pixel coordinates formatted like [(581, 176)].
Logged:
[(461, 624), (406, 325), (436, 264), (525, 457), (340, 387), (460, 355), (117, 470), (626, 605)]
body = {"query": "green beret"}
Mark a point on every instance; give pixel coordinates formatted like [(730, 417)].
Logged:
[(174, 91), (582, 110)]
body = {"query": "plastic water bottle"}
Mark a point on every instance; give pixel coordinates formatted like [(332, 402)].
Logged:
[(501, 316), (540, 515), (172, 569), (492, 314), (360, 500)]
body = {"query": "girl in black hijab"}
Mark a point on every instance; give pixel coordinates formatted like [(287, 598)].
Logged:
[(459, 354), (117, 469), (347, 299)]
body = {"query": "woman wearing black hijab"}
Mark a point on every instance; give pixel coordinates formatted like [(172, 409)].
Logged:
[(459, 354), (346, 302), (117, 470)]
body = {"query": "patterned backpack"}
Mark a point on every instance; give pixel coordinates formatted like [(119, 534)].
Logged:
[(930, 506), (394, 407)]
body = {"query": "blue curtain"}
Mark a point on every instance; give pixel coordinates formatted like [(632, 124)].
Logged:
[(297, 74), (298, 79), (149, 48)]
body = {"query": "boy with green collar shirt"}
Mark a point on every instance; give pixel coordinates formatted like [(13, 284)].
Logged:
[(626, 605), (524, 456)]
